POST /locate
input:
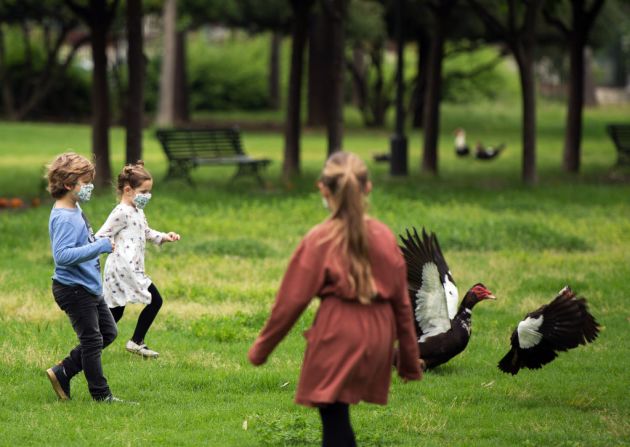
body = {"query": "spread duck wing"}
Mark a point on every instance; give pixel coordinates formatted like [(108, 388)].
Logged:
[(426, 290)]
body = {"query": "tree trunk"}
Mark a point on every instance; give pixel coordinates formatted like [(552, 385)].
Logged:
[(590, 97), (335, 14), (419, 94), (573, 130), (358, 62), (378, 100), (274, 71), (291, 162), (431, 122), (100, 104), (135, 95), (181, 113), (621, 66), (166, 107), (7, 94), (318, 67), (525, 60)]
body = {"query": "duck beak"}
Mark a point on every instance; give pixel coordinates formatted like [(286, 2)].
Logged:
[(491, 297)]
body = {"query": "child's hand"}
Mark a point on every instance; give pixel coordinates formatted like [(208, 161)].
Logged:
[(172, 237)]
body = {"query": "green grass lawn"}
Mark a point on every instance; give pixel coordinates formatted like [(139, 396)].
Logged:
[(219, 281)]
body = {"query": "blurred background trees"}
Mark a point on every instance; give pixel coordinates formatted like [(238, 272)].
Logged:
[(178, 62)]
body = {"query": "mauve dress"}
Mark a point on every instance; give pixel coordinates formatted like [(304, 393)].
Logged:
[(350, 345)]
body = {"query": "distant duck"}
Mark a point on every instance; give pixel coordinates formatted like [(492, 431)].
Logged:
[(488, 153), (560, 325), (461, 148), (443, 330), (384, 157)]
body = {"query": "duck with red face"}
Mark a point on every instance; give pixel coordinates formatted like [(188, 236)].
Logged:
[(443, 329)]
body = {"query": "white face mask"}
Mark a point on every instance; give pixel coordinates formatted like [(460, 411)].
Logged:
[(85, 193), (141, 200)]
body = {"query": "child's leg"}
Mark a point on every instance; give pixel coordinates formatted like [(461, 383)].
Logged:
[(336, 426), (117, 312), (147, 315), (93, 323)]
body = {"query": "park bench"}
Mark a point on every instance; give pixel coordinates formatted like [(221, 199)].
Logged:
[(188, 148), (620, 134)]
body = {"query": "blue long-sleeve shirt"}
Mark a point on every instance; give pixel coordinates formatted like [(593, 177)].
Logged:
[(76, 257)]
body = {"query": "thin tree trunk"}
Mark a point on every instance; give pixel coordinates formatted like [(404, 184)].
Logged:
[(573, 131), (581, 83), (181, 113), (318, 67), (166, 107), (7, 94), (291, 162), (135, 95), (525, 62), (419, 94), (274, 70), (100, 104), (358, 62), (335, 13), (590, 98), (431, 122)]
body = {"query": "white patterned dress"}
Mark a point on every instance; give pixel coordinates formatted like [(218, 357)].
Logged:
[(124, 279)]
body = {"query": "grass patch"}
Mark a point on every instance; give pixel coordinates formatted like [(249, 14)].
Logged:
[(219, 281)]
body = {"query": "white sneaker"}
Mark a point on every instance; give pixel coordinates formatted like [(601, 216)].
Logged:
[(142, 349)]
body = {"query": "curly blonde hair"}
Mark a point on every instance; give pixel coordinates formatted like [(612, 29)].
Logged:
[(67, 169)]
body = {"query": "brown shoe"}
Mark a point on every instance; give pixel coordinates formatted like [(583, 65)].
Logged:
[(59, 381)]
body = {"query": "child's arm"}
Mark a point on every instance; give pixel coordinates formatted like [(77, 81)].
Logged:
[(154, 236), (408, 364), (66, 254), (300, 284), (115, 222)]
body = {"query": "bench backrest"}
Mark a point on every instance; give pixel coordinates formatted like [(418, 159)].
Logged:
[(620, 134), (184, 144)]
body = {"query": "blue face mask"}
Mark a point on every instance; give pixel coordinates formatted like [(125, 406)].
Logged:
[(141, 200), (85, 193)]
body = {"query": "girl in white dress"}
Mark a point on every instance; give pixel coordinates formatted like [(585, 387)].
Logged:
[(125, 280)]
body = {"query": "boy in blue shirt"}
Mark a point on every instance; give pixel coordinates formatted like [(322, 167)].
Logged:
[(77, 285)]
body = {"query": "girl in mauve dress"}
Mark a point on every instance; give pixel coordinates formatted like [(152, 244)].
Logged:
[(353, 264), (125, 280)]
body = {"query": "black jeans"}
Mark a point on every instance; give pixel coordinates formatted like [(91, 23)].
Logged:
[(95, 327)]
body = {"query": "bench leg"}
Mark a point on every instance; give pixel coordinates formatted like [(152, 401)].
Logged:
[(250, 168), (623, 158), (179, 170)]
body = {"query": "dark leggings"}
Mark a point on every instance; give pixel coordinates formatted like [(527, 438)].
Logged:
[(146, 316), (336, 424)]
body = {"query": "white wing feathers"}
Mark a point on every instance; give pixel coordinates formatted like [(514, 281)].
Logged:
[(528, 334), (431, 309), (452, 297)]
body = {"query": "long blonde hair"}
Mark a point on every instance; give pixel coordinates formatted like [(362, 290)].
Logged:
[(346, 177)]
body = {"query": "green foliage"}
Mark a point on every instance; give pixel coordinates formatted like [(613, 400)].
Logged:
[(69, 95), (463, 84), (365, 22), (227, 75)]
